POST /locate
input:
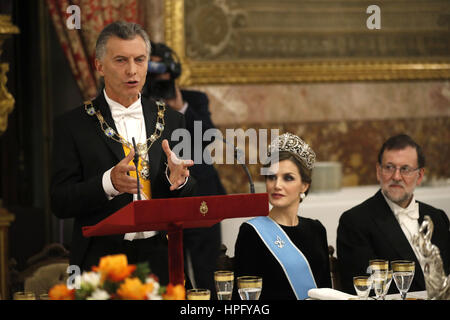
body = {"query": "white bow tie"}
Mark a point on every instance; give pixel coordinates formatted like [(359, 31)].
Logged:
[(122, 113), (412, 211)]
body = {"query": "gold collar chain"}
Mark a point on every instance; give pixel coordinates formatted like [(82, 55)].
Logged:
[(141, 148)]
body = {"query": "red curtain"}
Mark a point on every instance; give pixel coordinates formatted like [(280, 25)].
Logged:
[(79, 44)]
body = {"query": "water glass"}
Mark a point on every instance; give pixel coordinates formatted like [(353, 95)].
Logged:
[(198, 294), (249, 287), (44, 296), (379, 270), (363, 285), (403, 275), (24, 295), (387, 284), (224, 284)]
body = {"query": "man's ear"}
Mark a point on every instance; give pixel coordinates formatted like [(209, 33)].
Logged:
[(378, 168), (421, 175), (99, 67)]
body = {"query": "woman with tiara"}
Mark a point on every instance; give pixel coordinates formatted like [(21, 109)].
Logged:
[(288, 251)]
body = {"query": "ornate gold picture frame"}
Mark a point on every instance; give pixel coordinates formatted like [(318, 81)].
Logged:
[(247, 41)]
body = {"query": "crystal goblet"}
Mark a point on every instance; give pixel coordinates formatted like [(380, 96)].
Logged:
[(379, 270), (403, 275), (363, 285), (249, 287), (224, 284), (198, 294)]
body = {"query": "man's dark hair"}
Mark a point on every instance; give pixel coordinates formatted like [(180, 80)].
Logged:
[(123, 30), (399, 142)]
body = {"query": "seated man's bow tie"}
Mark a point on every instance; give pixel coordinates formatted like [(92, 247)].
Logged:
[(412, 211), (131, 112)]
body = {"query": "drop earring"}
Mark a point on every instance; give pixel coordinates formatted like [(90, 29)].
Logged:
[(302, 195)]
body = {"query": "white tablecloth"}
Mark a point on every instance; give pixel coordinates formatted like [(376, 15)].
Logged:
[(416, 294), (331, 294)]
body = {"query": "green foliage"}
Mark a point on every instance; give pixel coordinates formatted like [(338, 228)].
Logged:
[(142, 271)]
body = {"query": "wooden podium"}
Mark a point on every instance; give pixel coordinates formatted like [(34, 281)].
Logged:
[(174, 215)]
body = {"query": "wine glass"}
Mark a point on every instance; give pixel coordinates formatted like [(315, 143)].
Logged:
[(249, 287), (44, 296), (387, 284), (379, 270), (362, 285), (224, 284), (24, 295), (403, 275), (198, 294)]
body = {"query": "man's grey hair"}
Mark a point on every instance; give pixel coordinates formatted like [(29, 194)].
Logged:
[(123, 30)]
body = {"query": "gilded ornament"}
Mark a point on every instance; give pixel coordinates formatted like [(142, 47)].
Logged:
[(203, 208), (6, 99)]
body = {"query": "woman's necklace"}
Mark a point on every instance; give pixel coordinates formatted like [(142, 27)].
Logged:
[(141, 148)]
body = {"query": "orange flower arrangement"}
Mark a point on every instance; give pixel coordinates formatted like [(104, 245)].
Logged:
[(177, 292), (114, 278), (114, 267), (134, 289), (61, 292)]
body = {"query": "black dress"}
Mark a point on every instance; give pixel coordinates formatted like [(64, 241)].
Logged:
[(252, 258)]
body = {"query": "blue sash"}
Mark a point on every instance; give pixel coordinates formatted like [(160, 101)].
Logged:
[(291, 259)]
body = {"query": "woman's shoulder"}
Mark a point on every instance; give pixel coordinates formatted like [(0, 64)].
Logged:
[(248, 233), (311, 223), (247, 239), (247, 228)]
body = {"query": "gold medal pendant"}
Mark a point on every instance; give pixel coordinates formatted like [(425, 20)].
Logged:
[(145, 171), (141, 149)]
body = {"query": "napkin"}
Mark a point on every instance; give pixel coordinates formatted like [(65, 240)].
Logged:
[(329, 294)]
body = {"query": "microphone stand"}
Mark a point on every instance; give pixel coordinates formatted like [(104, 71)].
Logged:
[(136, 162), (236, 156), (250, 181)]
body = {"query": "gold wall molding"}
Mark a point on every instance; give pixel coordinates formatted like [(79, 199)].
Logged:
[(6, 99), (208, 56), (6, 106)]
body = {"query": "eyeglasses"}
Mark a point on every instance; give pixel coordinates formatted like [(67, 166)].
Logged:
[(405, 171)]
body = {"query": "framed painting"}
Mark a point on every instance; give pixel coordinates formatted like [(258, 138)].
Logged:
[(275, 41)]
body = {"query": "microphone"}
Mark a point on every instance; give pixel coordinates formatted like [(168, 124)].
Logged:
[(238, 153), (136, 161)]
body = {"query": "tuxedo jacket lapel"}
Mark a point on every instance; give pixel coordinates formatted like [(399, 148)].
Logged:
[(421, 213), (391, 230), (102, 105)]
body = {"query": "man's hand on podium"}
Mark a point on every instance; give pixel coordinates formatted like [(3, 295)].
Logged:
[(178, 169)]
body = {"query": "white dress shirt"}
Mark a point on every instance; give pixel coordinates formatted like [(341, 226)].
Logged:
[(408, 218), (184, 108), (129, 123)]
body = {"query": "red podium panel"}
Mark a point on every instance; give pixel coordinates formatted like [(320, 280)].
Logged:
[(177, 214)]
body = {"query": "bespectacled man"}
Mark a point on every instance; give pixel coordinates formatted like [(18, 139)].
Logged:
[(382, 227)]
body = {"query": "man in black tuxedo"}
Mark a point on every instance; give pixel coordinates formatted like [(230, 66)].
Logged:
[(382, 226), (202, 245), (93, 153)]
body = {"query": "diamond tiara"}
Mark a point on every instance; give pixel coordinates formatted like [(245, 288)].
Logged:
[(291, 143)]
